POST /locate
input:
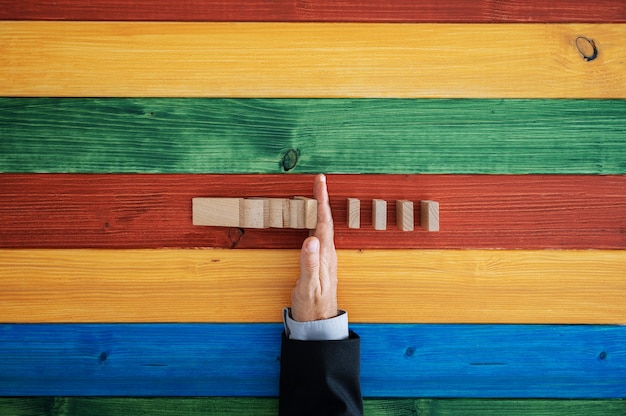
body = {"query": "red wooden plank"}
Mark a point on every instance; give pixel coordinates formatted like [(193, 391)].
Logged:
[(318, 10), (477, 211)]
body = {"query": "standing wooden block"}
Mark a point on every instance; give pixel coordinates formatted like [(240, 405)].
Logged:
[(218, 212), (251, 213), (379, 214), (430, 215), (297, 214), (404, 215), (353, 213), (310, 212), (276, 219)]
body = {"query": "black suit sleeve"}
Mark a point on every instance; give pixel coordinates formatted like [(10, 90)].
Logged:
[(320, 377)]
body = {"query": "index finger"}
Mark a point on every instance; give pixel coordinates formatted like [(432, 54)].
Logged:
[(324, 230)]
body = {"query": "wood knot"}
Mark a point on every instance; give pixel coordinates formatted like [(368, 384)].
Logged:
[(289, 159), (587, 48)]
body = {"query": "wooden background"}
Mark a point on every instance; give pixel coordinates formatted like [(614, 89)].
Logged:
[(115, 113)]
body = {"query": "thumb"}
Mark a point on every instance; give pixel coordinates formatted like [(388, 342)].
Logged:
[(310, 260)]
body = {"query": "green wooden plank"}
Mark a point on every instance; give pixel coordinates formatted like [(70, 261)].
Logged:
[(534, 407), (86, 406), (202, 406), (311, 135), (169, 406), (31, 406)]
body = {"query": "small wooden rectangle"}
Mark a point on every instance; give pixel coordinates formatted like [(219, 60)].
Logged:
[(286, 213), (310, 212), (429, 215), (251, 213), (218, 212), (297, 214), (379, 214), (353, 213), (276, 212), (266, 211), (404, 215)]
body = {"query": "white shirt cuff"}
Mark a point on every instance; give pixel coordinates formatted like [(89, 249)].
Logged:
[(333, 329)]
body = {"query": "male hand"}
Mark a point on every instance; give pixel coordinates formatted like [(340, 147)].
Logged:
[(315, 294)]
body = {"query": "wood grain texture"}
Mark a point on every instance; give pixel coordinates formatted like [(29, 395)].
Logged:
[(154, 211), (311, 136), (403, 286), (195, 406), (243, 406), (557, 11), (379, 214), (353, 213), (270, 60), (396, 360), (430, 215)]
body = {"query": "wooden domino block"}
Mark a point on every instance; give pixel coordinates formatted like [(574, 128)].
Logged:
[(404, 215), (218, 212), (266, 211), (310, 212), (379, 214), (276, 219), (251, 213), (297, 214), (353, 213), (429, 215), (286, 213)]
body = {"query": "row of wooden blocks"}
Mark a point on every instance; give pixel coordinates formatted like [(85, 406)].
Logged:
[(404, 214), (301, 213)]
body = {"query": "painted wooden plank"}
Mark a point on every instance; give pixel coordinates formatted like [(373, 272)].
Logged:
[(498, 407), (154, 211), (272, 60), (441, 286), (189, 406), (396, 360), (557, 11), (309, 136), (243, 406)]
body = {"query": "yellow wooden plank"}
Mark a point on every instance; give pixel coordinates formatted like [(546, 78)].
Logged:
[(439, 286), (311, 60)]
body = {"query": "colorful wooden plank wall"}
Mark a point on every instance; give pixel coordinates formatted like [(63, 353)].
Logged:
[(109, 126)]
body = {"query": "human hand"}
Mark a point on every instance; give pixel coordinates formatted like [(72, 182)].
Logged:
[(315, 294)]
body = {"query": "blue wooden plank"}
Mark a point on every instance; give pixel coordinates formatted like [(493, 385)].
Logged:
[(514, 361)]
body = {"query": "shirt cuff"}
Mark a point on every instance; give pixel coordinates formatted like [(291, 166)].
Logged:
[(333, 329)]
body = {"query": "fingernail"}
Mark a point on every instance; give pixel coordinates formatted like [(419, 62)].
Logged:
[(313, 246), (322, 178)]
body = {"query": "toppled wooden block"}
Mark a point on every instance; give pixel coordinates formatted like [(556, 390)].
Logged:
[(353, 213), (276, 207), (429, 215), (266, 211), (286, 213), (310, 212), (297, 214), (219, 212), (404, 215), (379, 214), (229, 212), (252, 213)]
